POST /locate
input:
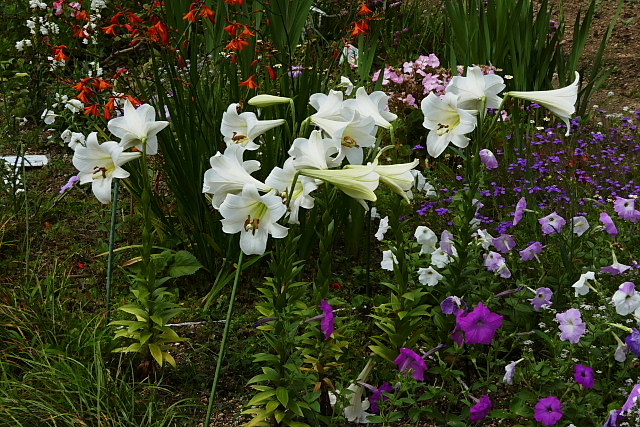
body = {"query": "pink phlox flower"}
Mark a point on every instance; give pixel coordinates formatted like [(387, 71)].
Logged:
[(480, 325), (430, 82), (407, 67), (410, 100)]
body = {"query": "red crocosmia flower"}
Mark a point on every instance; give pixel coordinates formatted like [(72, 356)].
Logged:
[(160, 33), (250, 83), (111, 29), (237, 44), (85, 96), (247, 33), (272, 72), (115, 18), (337, 285), (238, 2), (361, 27), (255, 62), (191, 16), (209, 13), (82, 16), (82, 84), (59, 53), (133, 18), (79, 31), (364, 10), (92, 110), (234, 58), (102, 84), (233, 28), (82, 265), (132, 99)]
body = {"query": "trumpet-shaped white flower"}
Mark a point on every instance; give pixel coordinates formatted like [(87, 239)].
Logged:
[(428, 276), (254, 217), (282, 178), (560, 102), (346, 84), (328, 107), (316, 152), (626, 299), (477, 91), (229, 174), (398, 177), (137, 126), (265, 100), (352, 130), (388, 260), (100, 163), (356, 181), (374, 105), (447, 123), (427, 238), (244, 128), (383, 227), (581, 286)]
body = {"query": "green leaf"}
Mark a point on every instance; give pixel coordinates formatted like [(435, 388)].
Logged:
[(184, 264), (283, 395), (260, 398), (156, 353)]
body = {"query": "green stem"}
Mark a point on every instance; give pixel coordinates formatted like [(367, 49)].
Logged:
[(223, 344), (112, 242)]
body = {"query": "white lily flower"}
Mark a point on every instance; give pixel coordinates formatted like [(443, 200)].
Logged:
[(137, 126), (477, 91), (358, 182), (229, 174), (282, 178), (428, 276), (374, 105), (254, 217), (100, 163), (243, 128), (264, 100), (398, 177), (346, 84), (327, 106), (560, 102), (353, 131), (316, 152), (447, 123)]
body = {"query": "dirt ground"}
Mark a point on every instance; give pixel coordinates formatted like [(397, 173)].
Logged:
[(621, 92)]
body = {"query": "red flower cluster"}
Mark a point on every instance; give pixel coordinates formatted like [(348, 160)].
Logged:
[(198, 10)]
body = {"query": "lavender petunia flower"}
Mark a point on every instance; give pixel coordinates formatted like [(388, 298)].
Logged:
[(451, 305), (531, 251), (609, 225), (542, 298), (410, 361), (480, 410), (446, 243), (480, 325), (489, 159), (69, 185), (496, 263), (552, 223), (615, 418), (505, 243), (631, 400), (510, 372), (520, 209), (615, 267), (585, 376), (633, 341), (571, 325), (625, 208), (549, 411)]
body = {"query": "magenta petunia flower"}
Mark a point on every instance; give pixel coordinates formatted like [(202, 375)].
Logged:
[(572, 327), (584, 375), (379, 395), (625, 208), (328, 322), (480, 410), (480, 325), (549, 411), (609, 225), (520, 208), (552, 223), (410, 361), (542, 298)]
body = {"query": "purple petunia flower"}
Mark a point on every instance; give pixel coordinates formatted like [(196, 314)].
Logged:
[(480, 325), (633, 341), (451, 305), (410, 361), (379, 395), (549, 411), (480, 410), (552, 223), (520, 208), (328, 322), (584, 375), (572, 327), (615, 417), (609, 225), (531, 251), (488, 158), (542, 298), (615, 267), (625, 208), (446, 243)]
